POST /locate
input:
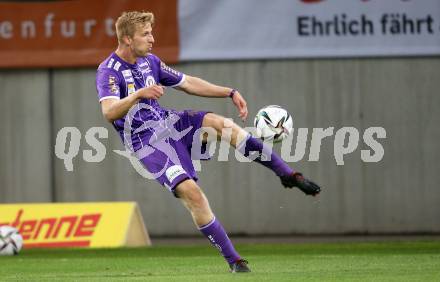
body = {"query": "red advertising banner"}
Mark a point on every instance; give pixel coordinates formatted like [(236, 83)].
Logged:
[(77, 33)]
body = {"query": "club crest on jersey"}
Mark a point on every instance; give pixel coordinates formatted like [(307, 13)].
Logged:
[(150, 81)]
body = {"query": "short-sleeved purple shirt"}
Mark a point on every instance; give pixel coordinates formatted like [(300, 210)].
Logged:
[(163, 139), (116, 79)]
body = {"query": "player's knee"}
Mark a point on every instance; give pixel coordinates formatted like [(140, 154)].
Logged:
[(226, 129), (217, 122), (197, 198), (193, 196)]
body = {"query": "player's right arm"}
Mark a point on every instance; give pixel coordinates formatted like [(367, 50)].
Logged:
[(114, 109), (115, 104)]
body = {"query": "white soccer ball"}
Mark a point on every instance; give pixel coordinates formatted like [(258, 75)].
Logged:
[(10, 241), (273, 123)]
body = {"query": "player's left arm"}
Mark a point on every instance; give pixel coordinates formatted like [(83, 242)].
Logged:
[(199, 87)]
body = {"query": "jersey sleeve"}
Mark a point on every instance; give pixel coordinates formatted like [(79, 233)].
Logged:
[(107, 84), (168, 76)]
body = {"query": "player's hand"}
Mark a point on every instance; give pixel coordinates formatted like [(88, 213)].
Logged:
[(150, 92), (241, 105)]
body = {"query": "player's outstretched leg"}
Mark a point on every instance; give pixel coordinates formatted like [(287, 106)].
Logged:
[(196, 202), (246, 144)]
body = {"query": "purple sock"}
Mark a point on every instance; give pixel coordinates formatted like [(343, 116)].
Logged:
[(263, 154), (219, 239)]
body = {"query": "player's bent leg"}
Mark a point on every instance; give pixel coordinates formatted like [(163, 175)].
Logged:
[(196, 202), (246, 144), (220, 123)]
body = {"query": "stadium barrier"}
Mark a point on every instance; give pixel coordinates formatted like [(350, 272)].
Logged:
[(90, 225)]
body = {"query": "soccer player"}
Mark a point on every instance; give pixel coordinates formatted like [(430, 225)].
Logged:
[(129, 84)]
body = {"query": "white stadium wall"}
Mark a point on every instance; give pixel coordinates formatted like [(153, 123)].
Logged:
[(399, 194)]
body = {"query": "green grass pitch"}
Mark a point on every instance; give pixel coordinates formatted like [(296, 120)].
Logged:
[(384, 261)]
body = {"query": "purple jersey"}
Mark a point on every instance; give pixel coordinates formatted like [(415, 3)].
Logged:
[(162, 138), (116, 79)]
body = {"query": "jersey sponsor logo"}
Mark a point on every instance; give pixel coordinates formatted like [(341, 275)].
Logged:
[(128, 77), (126, 73), (131, 89), (117, 66), (113, 86), (110, 63), (174, 171)]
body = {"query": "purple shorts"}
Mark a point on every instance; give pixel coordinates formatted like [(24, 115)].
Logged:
[(168, 156)]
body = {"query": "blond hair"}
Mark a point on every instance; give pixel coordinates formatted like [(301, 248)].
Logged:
[(127, 23)]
